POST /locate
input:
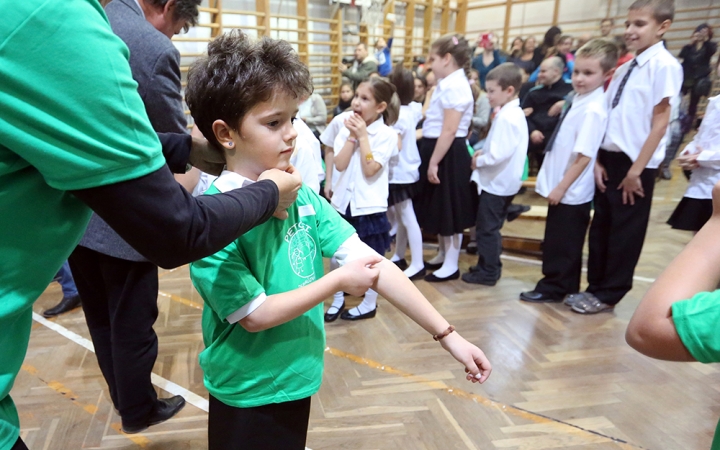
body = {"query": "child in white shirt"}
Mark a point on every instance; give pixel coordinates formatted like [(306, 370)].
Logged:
[(702, 156), (638, 100), (306, 156), (404, 177), (363, 144), (445, 203), (498, 170), (566, 176)]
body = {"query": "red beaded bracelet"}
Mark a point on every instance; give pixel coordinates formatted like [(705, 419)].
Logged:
[(449, 330)]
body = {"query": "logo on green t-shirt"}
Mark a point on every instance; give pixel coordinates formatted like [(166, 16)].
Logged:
[(301, 250)]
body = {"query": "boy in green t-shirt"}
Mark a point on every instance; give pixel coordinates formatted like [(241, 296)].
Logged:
[(263, 322), (677, 319)]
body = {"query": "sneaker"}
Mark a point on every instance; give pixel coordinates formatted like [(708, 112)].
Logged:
[(571, 299), (591, 305), (478, 278)]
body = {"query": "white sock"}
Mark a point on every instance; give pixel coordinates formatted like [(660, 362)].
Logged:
[(401, 241), (338, 302), (413, 235), (440, 257), (392, 218), (368, 304), (452, 254)]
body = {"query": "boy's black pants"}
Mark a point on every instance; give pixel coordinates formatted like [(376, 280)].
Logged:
[(277, 426), (119, 298), (565, 231), (617, 232), (492, 211)]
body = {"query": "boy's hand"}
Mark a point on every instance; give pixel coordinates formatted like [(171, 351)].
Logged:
[(328, 190), (288, 183), (473, 161), (601, 176), (556, 195), (631, 186), (688, 161), (476, 364), (360, 275), (537, 137)]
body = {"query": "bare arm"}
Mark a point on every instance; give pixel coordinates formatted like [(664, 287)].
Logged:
[(631, 184), (369, 166), (277, 309), (342, 158), (329, 163), (651, 330), (572, 174), (451, 121)]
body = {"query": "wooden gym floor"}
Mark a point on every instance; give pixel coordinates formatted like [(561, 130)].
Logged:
[(560, 380)]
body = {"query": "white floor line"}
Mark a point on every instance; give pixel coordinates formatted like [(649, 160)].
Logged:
[(163, 383), (535, 262)]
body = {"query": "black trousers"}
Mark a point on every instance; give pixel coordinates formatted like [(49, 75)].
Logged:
[(565, 231), (120, 304), (492, 211), (617, 232), (19, 445), (277, 426)]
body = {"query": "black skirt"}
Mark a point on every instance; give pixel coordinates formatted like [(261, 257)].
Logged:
[(372, 229), (691, 214), (449, 207), (401, 192)]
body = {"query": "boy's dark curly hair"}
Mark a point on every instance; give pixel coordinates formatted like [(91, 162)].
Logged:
[(237, 74)]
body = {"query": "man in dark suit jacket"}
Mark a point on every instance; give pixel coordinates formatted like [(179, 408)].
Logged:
[(118, 286)]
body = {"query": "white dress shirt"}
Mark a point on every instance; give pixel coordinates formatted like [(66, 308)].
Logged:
[(580, 133), (363, 195), (404, 166), (501, 165), (451, 92), (657, 76), (708, 139), (306, 157)]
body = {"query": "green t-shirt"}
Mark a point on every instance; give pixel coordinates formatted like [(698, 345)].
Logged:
[(697, 323), (71, 119), (283, 363)]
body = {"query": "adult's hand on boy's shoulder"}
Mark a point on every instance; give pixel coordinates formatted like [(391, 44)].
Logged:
[(206, 157), (288, 183)]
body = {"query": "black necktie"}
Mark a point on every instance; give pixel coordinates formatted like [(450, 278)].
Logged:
[(624, 81), (568, 104)]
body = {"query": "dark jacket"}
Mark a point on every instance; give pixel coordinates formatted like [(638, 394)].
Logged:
[(155, 65), (540, 99)]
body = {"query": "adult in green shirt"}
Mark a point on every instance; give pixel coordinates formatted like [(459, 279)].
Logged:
[(677, 319), (74, 135)]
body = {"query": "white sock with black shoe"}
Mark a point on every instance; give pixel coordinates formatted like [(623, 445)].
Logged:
[(452, 255), (368, 304)]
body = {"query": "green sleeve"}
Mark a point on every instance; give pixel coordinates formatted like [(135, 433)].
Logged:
[(696, 321), (225, 281), (333, 230), (70, 105)]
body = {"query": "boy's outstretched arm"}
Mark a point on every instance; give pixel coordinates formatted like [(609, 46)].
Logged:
[(696, 269), (397, 288), (355, 278)]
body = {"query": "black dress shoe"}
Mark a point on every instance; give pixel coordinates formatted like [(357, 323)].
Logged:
[(401, 263), (368, 315), (333, 317), (476, 277), (164, 409), (419, 275), (435, 279), (514, 211), (432, 266), (538, 297), (471, 248), (65, 305)]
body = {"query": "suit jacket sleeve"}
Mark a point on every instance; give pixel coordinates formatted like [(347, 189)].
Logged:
[(163, 100)]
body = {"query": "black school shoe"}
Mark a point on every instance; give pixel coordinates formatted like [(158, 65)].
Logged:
[(538, 297), (432, 278), (475, 277), (165, 408), (432, 266), (368, 315), (65, 305), (401, 263), (333, 317)]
